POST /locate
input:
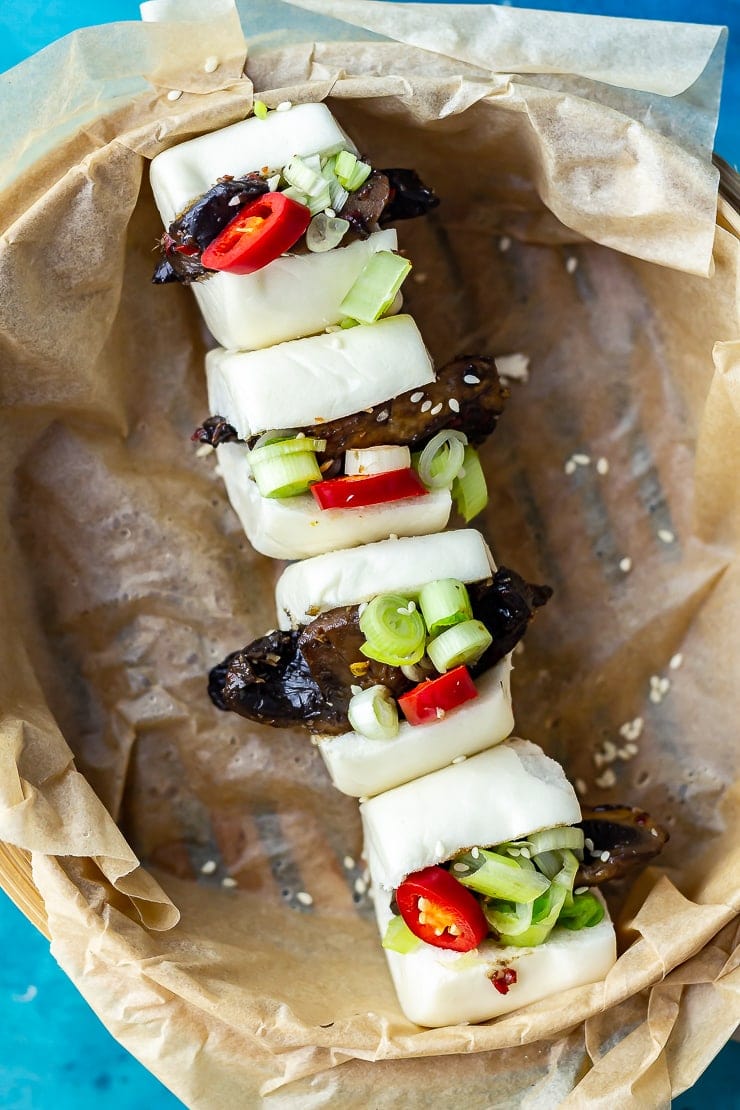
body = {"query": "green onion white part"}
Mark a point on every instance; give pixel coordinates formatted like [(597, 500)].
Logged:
[(286, 475), (469, 490), (442, 459), (373, 713), (461, 644)]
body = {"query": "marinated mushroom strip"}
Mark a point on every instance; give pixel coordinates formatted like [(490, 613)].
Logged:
[(215, 430), (409, 197), (505, 607), (199, 224), (364, 207), (629, 837), (331, 645), (270, 682)]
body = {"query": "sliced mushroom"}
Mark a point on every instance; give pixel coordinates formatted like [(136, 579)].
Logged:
[(629, 835)]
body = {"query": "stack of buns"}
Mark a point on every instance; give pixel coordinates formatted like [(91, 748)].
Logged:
[(443, 787)]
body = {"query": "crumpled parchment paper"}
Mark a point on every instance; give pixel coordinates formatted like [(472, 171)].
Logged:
[(579, 232)]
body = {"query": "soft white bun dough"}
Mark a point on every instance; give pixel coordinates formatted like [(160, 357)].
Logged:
[(390, 566), (186, 171), (363, 767), (297, 294), (296, 528), (438, 987), (499, 795), (315, 380)]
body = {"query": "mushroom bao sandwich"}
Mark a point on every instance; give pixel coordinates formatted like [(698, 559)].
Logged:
[(341, 445)]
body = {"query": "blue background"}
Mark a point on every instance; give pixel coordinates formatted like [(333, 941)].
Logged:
[(54, 1053)]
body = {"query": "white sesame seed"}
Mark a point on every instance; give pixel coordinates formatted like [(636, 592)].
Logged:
[(513, 367), (208, 867), (607, 779), (581, 786), (525, 852), (382, 416), (284, 106), (459, 759), (471, 379), (588, 843), (665, 535), (461, 868), (436, 410), (631, 748), (228, 882), (580, 890), (349, 863), (653, 832), (570, 467), (571, 264), (623, 754), (604, 857), (602, 465), (174, 94), (204, 450), (665, 685), (655, 696), (625, 564), (454, 404), (304, 898), (426, 406), (676, 661), (655, 681), (210, 65), (415, 397), (330, 212), (504, 243), (474, 853), (580, 459), (234, 202)]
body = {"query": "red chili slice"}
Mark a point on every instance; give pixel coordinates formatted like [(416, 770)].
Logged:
[(260, 232), (444, 693), (440, 911), (356, 491)]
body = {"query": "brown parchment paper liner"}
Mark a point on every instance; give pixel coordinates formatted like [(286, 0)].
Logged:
[(124, 576)]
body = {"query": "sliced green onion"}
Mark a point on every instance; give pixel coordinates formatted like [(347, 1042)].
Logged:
[(349, 171), (359, 176), (565, 836), (301, 176), (275, 436), (338, 194), (376, 460), (325, 232), (443, 603), (469, 489), (286, 475), (507, 917), (375, 289), (319, 202), (549, 863), (260, 109), (442, 459), (545, 912), (297, 195), (462, 643), (399, 938), (279, 448), (498, 876), (585, 912), (374, 713), (394, 631)]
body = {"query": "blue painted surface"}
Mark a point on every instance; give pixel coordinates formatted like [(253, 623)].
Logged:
[(54, 1053)]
